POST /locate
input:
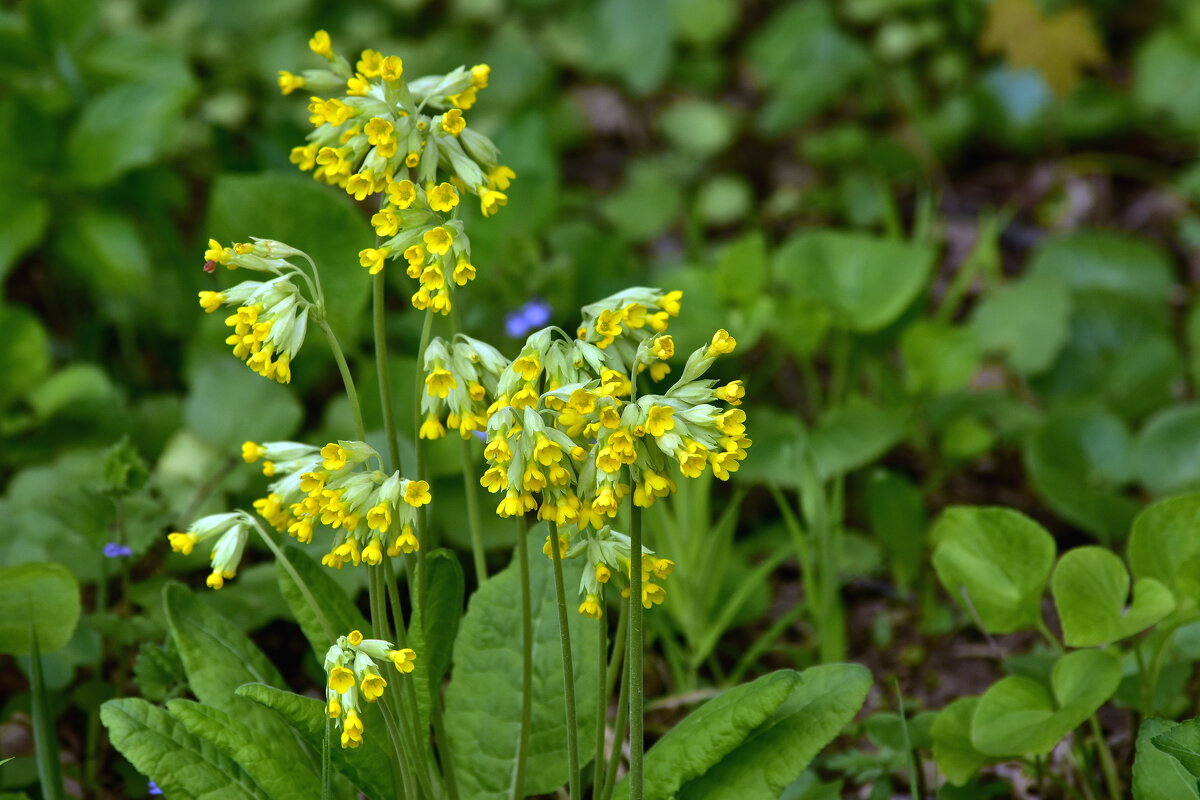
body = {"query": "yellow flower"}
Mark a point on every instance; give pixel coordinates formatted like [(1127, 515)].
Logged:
[(663, 347), (731, 393), (500, 176), (464, 99), (479, 75), (407, 543), (415, 256), (402, 193), (352, 729), (453, 122), (416, 494), (360, 185), (659, 420), (527, 367), (494, 479), (369, 63), (603, 573), (340, 679), (590, 607), (391, 68), (216, 252), (252, 451), (490, 201), (438, 240), (334, 708), (358, 86), (439, 382), (722, 344), (372, 554), (335, 456), (403, 659), (215, 580), (443, 198), (431, 428), (372, 686), (304, 157), (652, 594), (372, 258), (692, 459), (379, 517), (182, 542), (378, 130), (321, 44), (663, 567), (289, 83), (670, 302), (412, 159), (386, 222), (463, 271), (564, 542)]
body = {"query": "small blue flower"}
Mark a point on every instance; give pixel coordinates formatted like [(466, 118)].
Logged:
[(480, 435), (114, 550), (529, 317), (154, 788)]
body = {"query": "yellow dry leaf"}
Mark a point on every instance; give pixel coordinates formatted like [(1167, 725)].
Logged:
[(1060, 46)]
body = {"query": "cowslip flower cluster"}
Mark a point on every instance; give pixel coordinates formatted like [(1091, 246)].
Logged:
[(270, 317), (230, 529), (461, 376), (378, 133), (607, 553), (370, 513), (352, 666)]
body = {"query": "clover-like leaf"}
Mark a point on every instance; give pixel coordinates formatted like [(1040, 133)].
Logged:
[(1164, 545), (1090, 586)]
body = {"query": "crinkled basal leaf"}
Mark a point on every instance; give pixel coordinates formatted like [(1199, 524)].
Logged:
[(1018, 716), (483, 698), (1090, 587), (865, 280), (279, 766), (952, 750), (184, 766), (334, 614), (1158, 775), (1164, 545), (368, 766), (41, 599), (218, 658), (822, 701), (999, 558)]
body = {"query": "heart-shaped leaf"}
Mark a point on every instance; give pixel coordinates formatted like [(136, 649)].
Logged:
[(1090, 587), (952, 750), (41, 599), (1019, 716), (1164, 545), (995, 562)]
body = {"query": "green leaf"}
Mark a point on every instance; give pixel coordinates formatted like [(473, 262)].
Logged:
[(1167, 453), (1000, 558), (1090, 586), (1076, 461), (952, 750), (316, 587), (1182, 742), (218, 658), (712, 732), (938, 357), (108, 251), (278, 765), (823, 701), (1106, 261), (23, 221), (1017, 716), (317, 219), (367, 766), (124, 127), (741, 268), (1027, 322), (854, 435), (183, 765), (37, 599), (1158, 775), (24, 352), (433, 638), (699, 128), (1163, 545), (1164, 83), (866, 281), (221, 389), (483, 698), (897, 517), (649, 201)]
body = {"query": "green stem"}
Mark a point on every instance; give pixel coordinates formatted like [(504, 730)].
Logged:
[(471, 488), (347, 379), (45, 743), (636, 687), (418, 445), (518, 788), (564, 634), (1107, 765), (313, 605), (326, 770), (614, 757), (381, 368), (601, 704), (616, 663)]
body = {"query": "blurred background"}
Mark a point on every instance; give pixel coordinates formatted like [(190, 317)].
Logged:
[(955, 239)]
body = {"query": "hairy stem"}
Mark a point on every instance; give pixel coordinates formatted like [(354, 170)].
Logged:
[(636, 687), (564, 635), (518, 787)]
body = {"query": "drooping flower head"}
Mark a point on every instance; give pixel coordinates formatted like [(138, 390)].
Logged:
[(353, 671)]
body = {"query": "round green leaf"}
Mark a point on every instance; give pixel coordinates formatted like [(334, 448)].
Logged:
[(952, 750), (1167, 454), (37, 599), (24, 352), (1018, 716), (1090, 587), (995, 561), (1026, 321), (1164, 546)]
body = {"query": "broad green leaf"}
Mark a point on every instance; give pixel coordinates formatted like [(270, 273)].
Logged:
[(1157, 775), (938, 357), (1076, 461), (183, 765), (108, 251), (741, 268), (700, 128), (1090, 586), (317, 219), (1164, 71), (999, 558), (1167, 454), (649, 201), (1027, 322), (866, 281), (1106, 261), (854, 435), (952, 750), (124, 127), (1182, 742), (24, 352), (897, 517), (483, 698), (640, 55), (37, 599), (23, 221), (367, 766), (222, 388), (218, 658), (1164, 545), (712, 732), (433, 638), (823, 701), (278, 765), (333, 607), (1018, 716)]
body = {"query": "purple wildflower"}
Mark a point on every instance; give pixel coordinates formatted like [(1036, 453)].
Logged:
[(154, 788), (531, 316), (114, 550)]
